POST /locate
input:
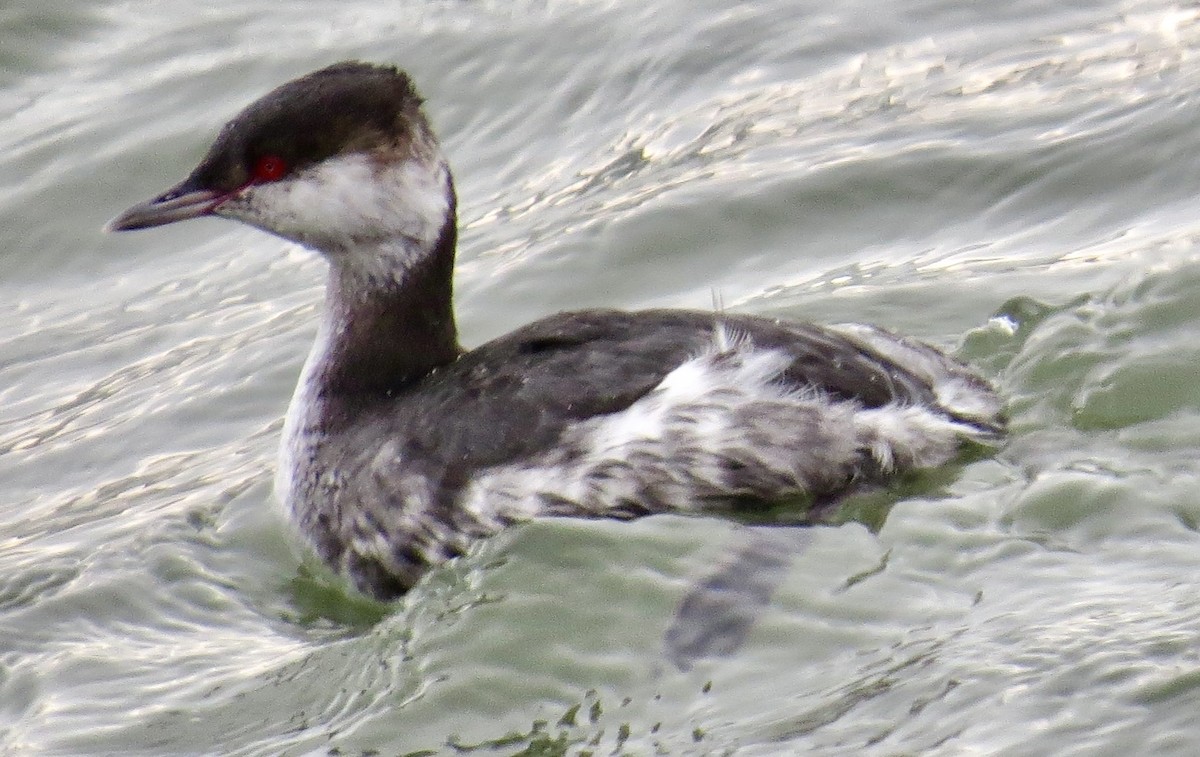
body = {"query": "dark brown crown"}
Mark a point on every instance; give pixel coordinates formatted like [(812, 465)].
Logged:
[(346, 107)]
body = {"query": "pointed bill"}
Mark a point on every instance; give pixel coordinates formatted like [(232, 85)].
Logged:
[(178, 204)]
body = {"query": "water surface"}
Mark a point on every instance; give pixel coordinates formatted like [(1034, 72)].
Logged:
[(1016, 183)]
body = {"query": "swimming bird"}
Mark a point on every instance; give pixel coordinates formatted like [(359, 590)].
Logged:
[(400, 448)]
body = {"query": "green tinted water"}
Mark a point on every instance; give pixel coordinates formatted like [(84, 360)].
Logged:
[(1016, 182)]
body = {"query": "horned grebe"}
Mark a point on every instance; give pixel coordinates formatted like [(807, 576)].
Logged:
[(400, 448)]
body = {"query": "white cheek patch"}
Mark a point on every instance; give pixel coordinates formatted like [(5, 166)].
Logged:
[(349, 200)]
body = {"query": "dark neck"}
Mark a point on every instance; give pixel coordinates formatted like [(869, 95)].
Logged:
[(385, 331)]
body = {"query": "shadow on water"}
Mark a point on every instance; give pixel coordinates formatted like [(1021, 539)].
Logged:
[(718, 612)]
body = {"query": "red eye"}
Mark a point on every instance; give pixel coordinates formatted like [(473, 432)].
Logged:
[(269, 168)]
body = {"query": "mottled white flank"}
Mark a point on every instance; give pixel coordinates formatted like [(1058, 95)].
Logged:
[(693, 383), (909, 436), (720, 425)]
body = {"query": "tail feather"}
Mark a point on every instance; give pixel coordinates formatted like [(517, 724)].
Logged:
[(961, 394)]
